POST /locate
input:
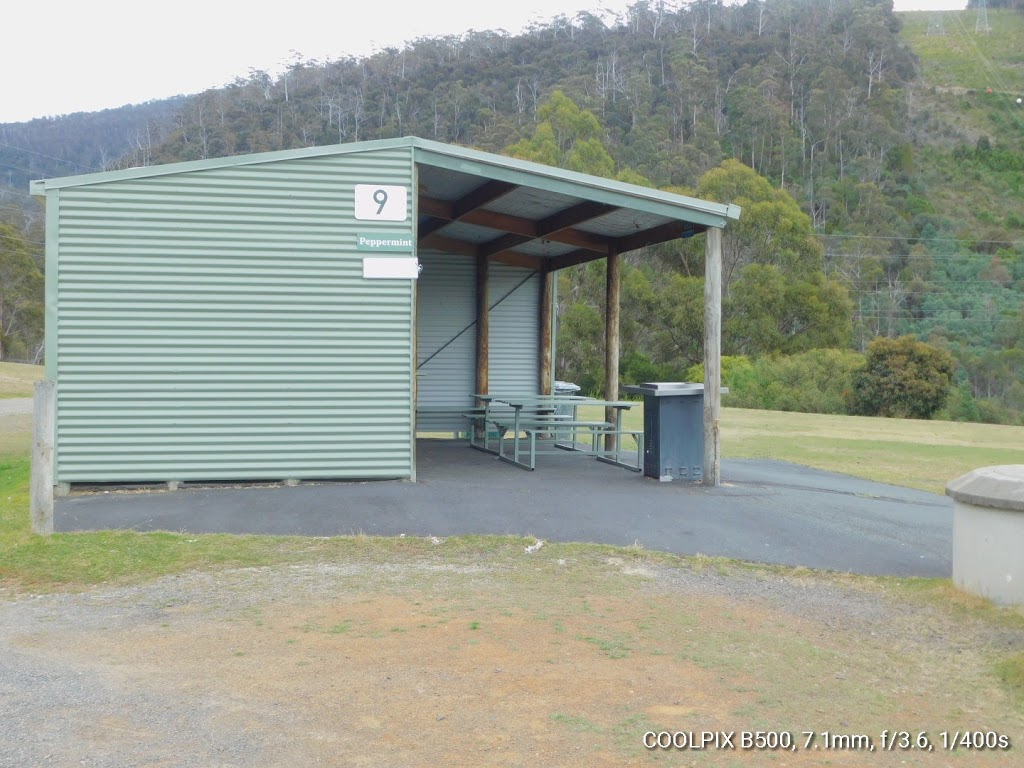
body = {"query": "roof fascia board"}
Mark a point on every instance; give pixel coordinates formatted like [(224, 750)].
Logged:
[(40, 186)]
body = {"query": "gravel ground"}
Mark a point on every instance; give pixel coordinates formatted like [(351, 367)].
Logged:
[(72, 708), (12, 406)]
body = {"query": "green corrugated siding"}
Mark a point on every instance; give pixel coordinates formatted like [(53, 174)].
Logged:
[(215, 325)]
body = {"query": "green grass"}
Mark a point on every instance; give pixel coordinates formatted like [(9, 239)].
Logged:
[(17, 380), (78, 560), (576, 724), (963, 59), (1010, 672), (916, 454), (951, 107)]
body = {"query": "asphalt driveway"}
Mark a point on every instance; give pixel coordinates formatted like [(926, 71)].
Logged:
[(765, 511)]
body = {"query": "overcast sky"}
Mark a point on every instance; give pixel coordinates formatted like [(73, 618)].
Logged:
[(62, 56)]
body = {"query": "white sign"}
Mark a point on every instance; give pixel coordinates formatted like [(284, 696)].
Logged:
[(377, 202), (390, 268)]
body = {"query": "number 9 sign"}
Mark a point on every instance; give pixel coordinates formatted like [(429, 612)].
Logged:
[(377, 202)]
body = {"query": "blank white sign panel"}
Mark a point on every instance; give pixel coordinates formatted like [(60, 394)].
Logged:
[(390, 268)]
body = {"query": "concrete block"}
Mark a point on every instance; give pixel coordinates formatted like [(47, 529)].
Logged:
[(988, 533)]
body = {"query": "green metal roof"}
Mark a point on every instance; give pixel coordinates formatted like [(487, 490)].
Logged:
[(479, 203), (442, 155)]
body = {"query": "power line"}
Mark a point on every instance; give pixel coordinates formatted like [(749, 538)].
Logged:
[(912, 312), (18, 168), (970, 282), (48, 157), (919, 239), (960, 258), (930, 293), (931, 318), (13, 191), (20, 240)]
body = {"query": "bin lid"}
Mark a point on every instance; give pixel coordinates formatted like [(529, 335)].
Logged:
[(669, 389), (666, 388), (566, 386)]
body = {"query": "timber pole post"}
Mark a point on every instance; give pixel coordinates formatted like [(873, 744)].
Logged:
[(546, 300), (483, 325), (41, 486), (712, 355), (613, 290)]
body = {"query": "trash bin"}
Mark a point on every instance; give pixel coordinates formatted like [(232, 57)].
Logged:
[(673, 429), (565, 389)]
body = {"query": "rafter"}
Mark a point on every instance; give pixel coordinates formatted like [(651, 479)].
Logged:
[(481, 196), (659, 234), (572, 258), (448, 245), (570, 217), (556, 228), (503, 243), (521, 260)]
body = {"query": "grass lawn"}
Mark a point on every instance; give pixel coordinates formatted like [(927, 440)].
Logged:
[(18, 380), (916, 454), (739, 664)]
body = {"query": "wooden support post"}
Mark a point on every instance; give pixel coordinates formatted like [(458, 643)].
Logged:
[(41, 488), (613, 287), (546, 298), (712, 355), (483, 325)]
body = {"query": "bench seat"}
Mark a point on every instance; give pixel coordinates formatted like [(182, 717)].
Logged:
[(563, 431)]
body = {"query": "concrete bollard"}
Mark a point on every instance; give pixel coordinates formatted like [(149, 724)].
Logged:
[(41, 485), (988, 533)]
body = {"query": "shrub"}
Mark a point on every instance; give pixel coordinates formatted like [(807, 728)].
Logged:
[(902, 377)]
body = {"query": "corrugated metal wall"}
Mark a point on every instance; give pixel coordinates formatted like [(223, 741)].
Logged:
[(446, 307), (514, 360), (215, 325), (446, 341)]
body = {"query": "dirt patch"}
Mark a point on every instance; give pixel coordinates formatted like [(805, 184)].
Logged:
[(557, 661)]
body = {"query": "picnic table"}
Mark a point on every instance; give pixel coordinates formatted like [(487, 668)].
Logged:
[(538, 417)]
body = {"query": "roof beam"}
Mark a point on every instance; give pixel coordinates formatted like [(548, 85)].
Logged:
[(448, 245), (514, 225), (429, 227), (663, 232), (571, 259), (514, 259), (503, 243), (444, 212), (570, 217), (460, 248), (557, 224), (481, 196), (431, 206)]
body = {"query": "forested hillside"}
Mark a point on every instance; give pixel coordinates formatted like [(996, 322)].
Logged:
[(79, 143), (879, 159)]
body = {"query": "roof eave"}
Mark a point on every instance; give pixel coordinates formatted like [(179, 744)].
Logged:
[(40, 186), (571, 183)]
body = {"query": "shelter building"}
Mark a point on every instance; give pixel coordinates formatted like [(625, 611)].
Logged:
[(302, 314)]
